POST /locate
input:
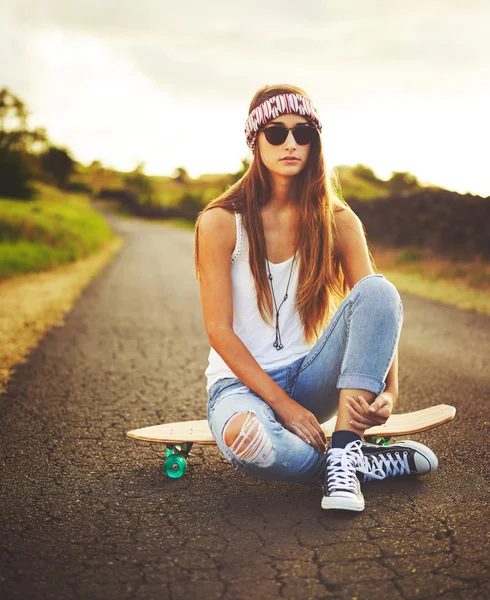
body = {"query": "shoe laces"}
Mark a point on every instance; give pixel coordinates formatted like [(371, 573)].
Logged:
[(388, 464), (341, 465)]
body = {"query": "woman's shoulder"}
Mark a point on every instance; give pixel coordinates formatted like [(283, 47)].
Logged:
[(343, 215), (217, 216), (217, 227), (340, 206), (349, 230)]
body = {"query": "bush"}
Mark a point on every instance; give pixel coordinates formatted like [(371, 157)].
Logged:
[(15, 175), (58, 163), (78, 187), (191, 204), (408, 256)]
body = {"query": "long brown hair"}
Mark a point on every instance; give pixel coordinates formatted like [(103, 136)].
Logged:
[(321, 282)]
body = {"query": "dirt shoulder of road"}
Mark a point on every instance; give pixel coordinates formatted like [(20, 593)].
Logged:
[(421, 272), (32, 304)]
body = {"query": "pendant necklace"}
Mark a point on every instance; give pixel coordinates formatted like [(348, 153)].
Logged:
[(278, 342)]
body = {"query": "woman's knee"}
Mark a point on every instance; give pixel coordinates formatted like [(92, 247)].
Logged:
[(378, 286), (248, 439)]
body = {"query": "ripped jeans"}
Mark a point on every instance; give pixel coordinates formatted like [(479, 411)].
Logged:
[(355, 351)]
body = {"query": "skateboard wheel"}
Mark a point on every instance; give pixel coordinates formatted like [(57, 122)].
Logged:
[(175, 466)]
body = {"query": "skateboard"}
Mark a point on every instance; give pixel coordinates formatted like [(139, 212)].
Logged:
[(179, 437)]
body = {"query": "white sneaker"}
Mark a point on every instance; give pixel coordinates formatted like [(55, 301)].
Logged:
[(341, 487)]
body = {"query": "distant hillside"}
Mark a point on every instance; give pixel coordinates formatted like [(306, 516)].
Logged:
[(356, 181)]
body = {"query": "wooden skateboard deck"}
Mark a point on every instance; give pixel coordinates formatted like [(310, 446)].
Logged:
[(180, 436)]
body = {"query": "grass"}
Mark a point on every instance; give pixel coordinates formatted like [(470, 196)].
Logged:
[(54, 229)]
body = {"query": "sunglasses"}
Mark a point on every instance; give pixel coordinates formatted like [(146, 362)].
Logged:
[(276, 135)]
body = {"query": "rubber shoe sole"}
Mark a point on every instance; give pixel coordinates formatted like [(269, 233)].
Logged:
[(343, 503)]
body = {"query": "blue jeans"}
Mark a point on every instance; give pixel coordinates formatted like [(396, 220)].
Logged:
[(355, 351)]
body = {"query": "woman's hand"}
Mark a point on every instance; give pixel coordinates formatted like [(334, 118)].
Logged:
[(365, 415), (301, 422)]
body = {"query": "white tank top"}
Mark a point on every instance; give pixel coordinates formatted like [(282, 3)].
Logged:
[(249, 326)]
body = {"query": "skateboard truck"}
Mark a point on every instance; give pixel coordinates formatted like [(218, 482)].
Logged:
[(378, 440)]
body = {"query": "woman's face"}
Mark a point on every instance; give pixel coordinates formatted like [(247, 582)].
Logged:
[(273, 156)]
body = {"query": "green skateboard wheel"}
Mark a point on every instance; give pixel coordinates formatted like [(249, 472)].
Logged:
[(175, 466)]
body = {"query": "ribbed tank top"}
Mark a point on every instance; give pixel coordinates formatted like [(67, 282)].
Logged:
[(249, 326)]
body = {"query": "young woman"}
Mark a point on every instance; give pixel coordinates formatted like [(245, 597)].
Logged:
[(300, 326)]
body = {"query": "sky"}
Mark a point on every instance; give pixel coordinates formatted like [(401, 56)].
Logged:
[(399, 86)]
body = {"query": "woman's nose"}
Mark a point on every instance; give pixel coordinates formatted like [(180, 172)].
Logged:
[(290, 141)]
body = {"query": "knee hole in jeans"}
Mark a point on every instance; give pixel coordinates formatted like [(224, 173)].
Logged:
[(247, 438)]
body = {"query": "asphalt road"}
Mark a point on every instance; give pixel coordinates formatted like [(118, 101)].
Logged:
[(87, 513)]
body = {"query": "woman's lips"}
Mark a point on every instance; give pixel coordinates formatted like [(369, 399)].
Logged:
[(290, 159)]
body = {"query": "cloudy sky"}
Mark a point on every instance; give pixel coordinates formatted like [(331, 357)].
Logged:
[(400, 86)]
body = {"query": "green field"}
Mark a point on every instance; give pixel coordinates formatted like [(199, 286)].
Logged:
[(53, 229)]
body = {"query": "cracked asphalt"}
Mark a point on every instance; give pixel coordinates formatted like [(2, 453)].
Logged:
[(87, 513)]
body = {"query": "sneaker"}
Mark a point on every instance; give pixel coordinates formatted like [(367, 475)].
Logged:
[(403, 458), (341, 487)]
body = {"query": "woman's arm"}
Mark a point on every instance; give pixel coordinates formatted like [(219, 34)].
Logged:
[(216, 244), (354, 258), (351, 247)]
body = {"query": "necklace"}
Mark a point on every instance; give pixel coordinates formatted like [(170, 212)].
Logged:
[(278, 342)]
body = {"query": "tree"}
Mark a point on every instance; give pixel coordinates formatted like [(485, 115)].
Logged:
[(141, 184), (18, 147), (59, 164), (181, 176), (402, 182), (97, 177), (365, 173), (14, 134)]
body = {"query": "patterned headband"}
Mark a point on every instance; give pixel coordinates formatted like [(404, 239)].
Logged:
[(275, 106)]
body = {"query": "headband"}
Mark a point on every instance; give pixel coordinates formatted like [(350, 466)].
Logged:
[(275, 106)]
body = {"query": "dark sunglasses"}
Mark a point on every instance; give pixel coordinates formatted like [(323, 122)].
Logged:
[(276, 135)]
